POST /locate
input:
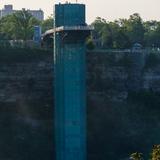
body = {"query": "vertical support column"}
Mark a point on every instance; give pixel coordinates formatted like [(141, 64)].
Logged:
[(70, 101), (70, 82)]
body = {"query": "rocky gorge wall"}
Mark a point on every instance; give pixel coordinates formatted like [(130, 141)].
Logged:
[(26, 110), (123, 104), (123, 92)]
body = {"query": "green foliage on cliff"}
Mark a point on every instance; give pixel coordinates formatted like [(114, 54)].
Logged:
[(47, 24), (136, 156), (90, 44), (123, 33), (18, 25), (154, 155)]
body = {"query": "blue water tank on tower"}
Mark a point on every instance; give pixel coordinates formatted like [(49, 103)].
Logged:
[(69, 14)]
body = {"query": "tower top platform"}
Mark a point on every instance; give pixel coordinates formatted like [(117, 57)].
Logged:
[(68, 28), (69, 17)]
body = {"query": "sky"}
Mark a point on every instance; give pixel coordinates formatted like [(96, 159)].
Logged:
[(108, 9)]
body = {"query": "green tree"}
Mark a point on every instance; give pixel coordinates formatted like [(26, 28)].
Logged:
[(110, 34), (5, 28), (19, 25), (152, 35), (136, 156), (135, 29), (123, 33), (119, 37), (98, 24), (90, 44), (155, 155), (155, 39), (47, 24), (106, 36)]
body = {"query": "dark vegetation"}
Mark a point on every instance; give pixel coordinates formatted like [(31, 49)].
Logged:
[(17, 26), (123, 33), (154, 155), (120, 34), (20, 26)]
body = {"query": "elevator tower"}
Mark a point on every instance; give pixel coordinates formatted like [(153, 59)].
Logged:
[(70, 32)]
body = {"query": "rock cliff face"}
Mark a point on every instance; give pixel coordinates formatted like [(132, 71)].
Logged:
[(123, 104), (26, 110), (26, 76)]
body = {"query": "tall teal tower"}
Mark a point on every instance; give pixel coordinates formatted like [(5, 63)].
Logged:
[(70, 32)]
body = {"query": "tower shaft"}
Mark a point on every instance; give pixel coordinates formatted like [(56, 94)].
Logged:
[(70, 81)]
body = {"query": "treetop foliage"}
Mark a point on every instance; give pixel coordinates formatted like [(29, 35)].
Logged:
[(119, 34), (123, 33), (154, 155), (20, 26), (17, 26)]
